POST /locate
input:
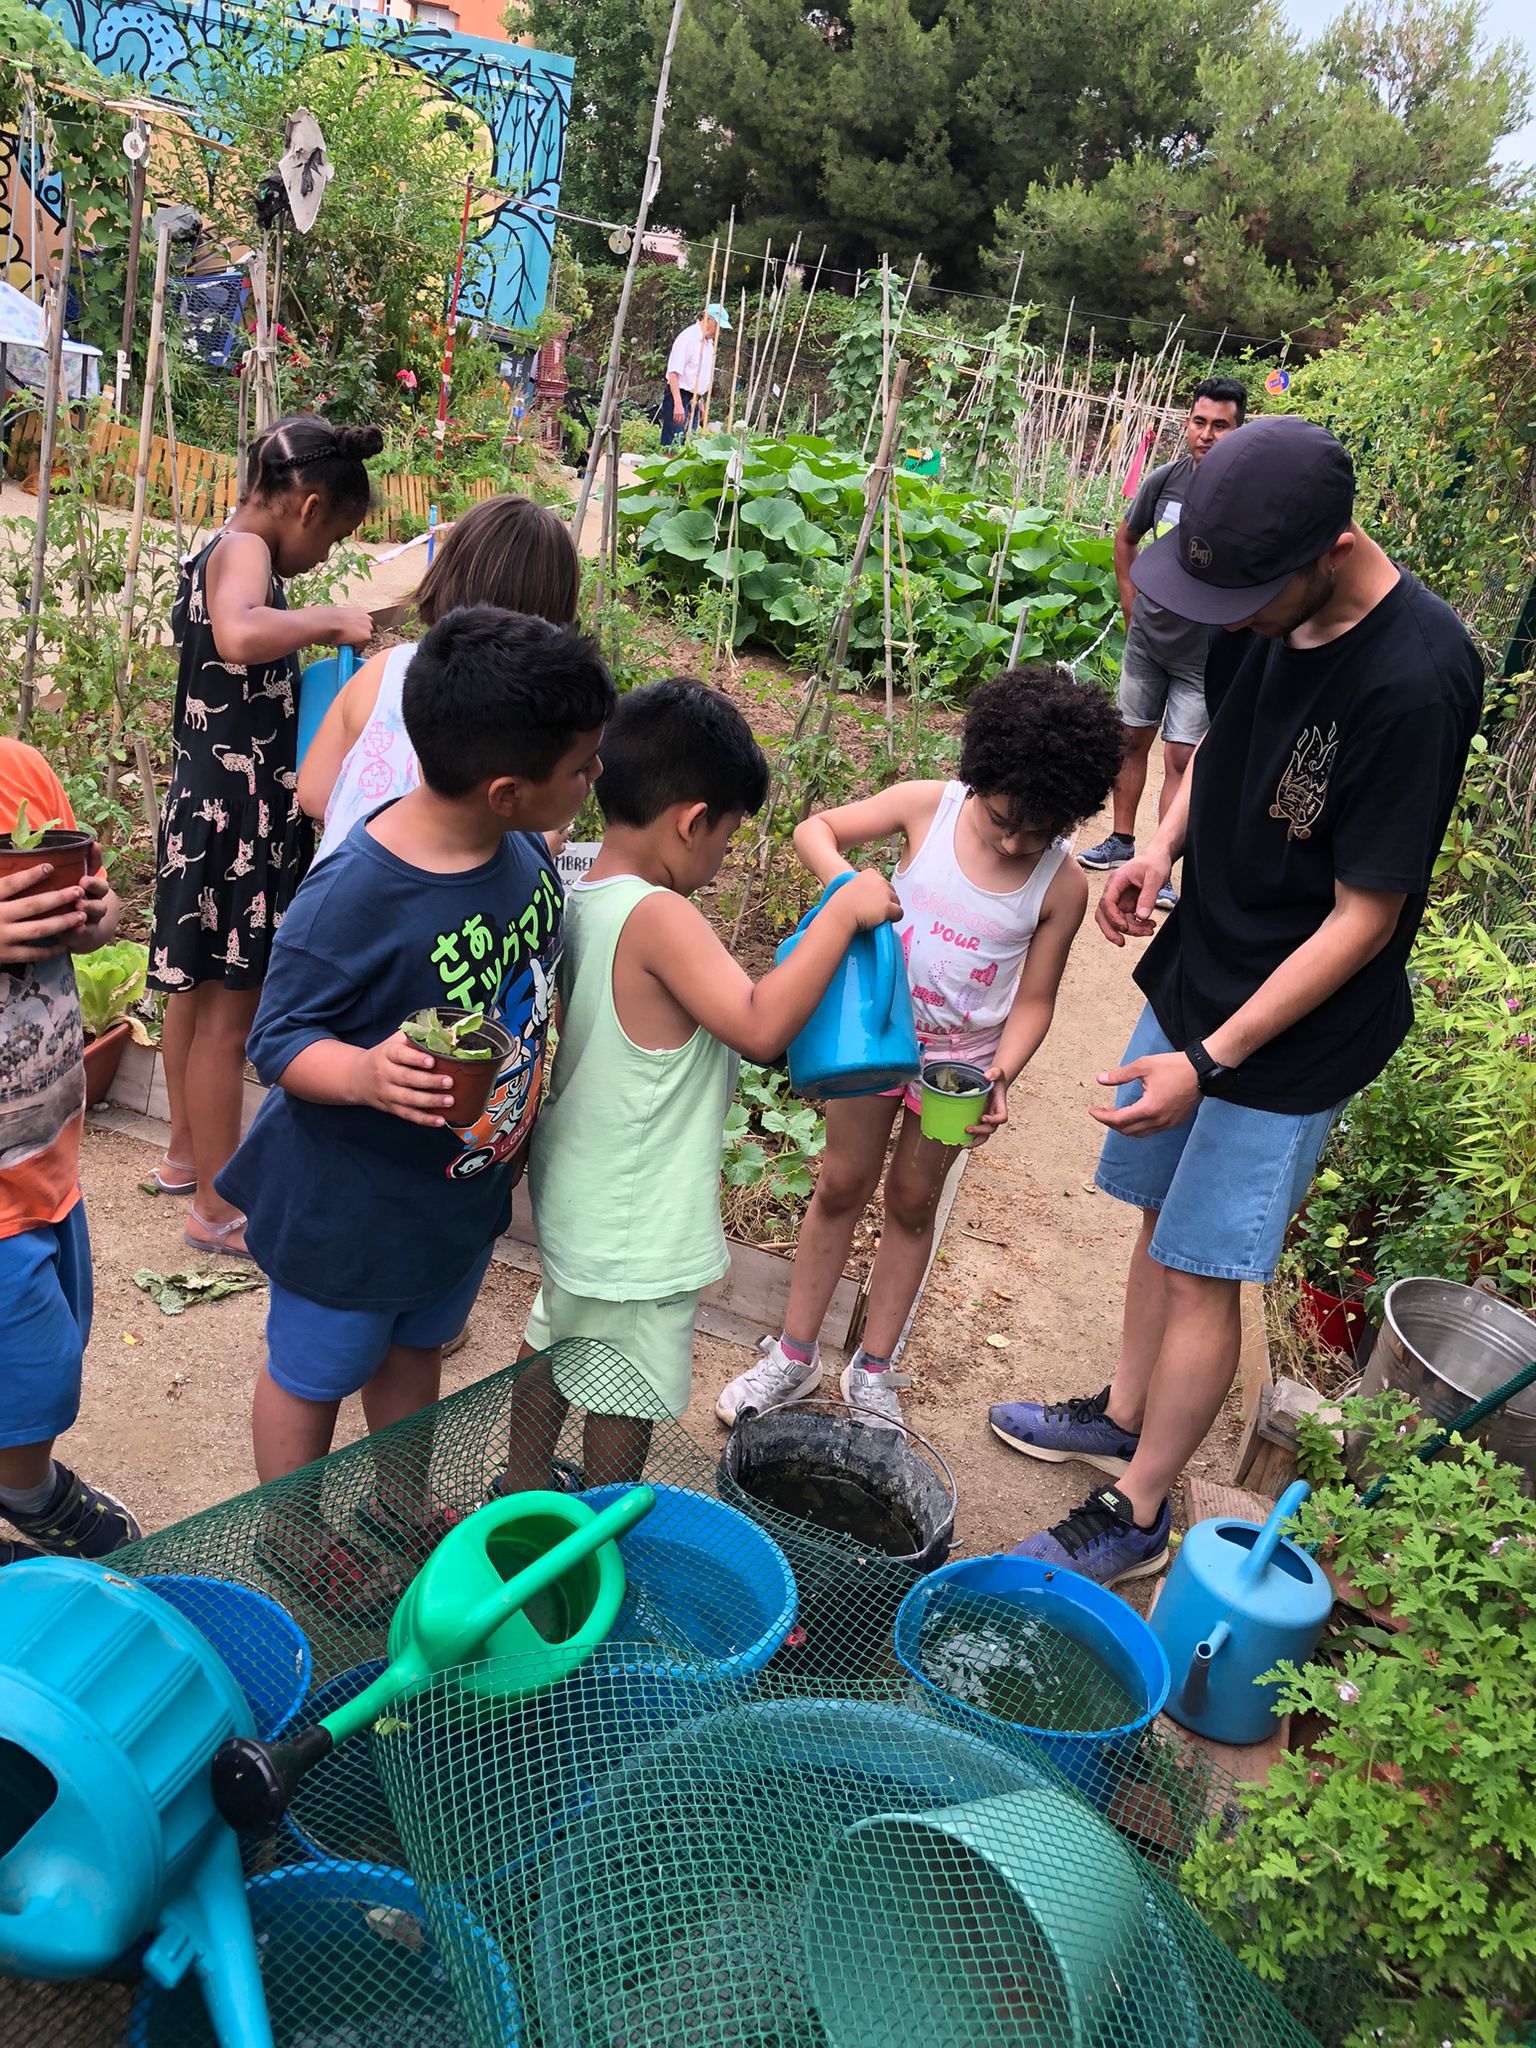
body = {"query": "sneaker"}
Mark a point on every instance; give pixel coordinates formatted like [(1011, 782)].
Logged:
[(1059, 1430), (331, 1572), (82, 1521), (1112, 852), (774, 1379), (1167, 898), (13, 1553), (873, 1396), (1101, 1541)]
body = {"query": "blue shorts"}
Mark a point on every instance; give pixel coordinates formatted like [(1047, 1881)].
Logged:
[(324, 1354), (45, 1322), (1225, 1182)]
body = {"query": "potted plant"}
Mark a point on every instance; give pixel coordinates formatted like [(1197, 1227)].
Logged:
[(1402, 1841), (467, 1046), (1330, 1239), (110, 982), (71, 854)]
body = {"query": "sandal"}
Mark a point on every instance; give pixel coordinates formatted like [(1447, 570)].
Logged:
[(413, 1535), (168, 1179), (219, 1234), (336, 1576)]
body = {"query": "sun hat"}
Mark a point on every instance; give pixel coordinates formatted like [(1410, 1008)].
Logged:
[(720, 313)]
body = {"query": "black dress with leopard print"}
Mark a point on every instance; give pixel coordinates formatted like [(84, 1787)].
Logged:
[(234, 844)]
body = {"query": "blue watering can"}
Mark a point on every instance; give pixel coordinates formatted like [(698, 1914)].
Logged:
[(319, 687), (860, 1037), (111, 1703), (1238, 1600)]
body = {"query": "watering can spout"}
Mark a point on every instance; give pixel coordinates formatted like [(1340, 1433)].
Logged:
[(1197, 1680)]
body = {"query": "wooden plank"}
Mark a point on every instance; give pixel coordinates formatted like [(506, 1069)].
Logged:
[(1255, 1374), (1204, 1499)]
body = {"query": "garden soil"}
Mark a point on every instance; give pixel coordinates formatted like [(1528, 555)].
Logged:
[(1024, 1298)]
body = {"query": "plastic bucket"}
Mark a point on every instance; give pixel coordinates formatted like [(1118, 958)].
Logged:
[(348, 1954), (705, 1588), (1095, 1620), (948, 1112), (1002, 1920), (262, 1646)]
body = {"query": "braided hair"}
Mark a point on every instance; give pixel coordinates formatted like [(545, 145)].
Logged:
[(306, 453)]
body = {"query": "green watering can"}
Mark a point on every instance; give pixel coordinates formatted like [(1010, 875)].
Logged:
[(535, 1577)]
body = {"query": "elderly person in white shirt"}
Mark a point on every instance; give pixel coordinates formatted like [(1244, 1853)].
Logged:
[(690, 373)]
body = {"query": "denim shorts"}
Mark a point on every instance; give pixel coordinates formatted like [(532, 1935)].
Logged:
[(324, 1354), (1225, 1182), (45, 1321), (1151, 694)]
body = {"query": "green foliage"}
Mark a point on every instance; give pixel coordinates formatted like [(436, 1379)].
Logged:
[(443, 1032), (618, 60), (971, 571), (110, 982), (1434, 391), (771, 1138), (24, 835), (1405, 1837)]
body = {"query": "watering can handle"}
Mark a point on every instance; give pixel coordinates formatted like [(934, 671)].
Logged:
[(881, 1001), (1257, 1562), (827, 894), (346, 661), (607, 1526)]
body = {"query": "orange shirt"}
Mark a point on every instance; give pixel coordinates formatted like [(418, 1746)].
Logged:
[(42, 1078)]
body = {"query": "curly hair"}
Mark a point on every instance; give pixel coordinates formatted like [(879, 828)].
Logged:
[(1044, 744)]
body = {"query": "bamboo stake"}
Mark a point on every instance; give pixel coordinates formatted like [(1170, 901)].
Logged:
[(882, 396), (725, 275), (607, 404), (243, 425), (898, 329), (757, 331), (741, 321), (885, 598), (136, 184), (140, 493), (170, 445), (52, 382), (995, 359), (147, 791), (794, 354), (775, 337)]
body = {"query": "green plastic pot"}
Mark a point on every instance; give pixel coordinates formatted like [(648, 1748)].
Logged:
[(948, 1113), (978, 1926)]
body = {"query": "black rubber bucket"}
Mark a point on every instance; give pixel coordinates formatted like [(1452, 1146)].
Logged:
[(862, 1513)]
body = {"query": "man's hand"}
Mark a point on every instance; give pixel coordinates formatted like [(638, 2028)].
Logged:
[(870, 898), (1170, 1092), (995, 1115), (677, 411), (1125, 907), (40, 927), (397, 1077)]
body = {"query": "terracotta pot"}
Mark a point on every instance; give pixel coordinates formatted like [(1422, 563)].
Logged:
[(71, 855), (1338, 1322), (103, 1057), (473, 1079)]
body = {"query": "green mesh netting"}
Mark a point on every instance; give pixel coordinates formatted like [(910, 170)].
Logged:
[(742, 1824)]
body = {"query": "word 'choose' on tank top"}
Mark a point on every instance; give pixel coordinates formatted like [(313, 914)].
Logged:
[(965, 946)]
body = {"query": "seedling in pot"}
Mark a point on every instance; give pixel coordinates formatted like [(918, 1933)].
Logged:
[(445, 1032), (25, 837)]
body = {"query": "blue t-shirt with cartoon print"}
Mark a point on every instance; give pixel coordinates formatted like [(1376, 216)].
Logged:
[(352, 1207)]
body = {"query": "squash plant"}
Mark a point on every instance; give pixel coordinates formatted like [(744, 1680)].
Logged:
[(972, 570)]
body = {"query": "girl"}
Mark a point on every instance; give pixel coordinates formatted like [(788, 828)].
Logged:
[(233, 843), (507, 552), (990, 906)]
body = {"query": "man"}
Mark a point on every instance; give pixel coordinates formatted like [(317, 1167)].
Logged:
[(1343, 704), (690, 374), (1162, 672)]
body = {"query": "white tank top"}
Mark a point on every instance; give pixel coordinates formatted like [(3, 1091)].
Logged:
[(965, 947), (381, 764)]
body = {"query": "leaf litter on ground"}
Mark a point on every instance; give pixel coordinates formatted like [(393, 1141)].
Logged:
[(173, 1293)]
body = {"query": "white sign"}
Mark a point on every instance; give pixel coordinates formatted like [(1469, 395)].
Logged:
[(576, 858)]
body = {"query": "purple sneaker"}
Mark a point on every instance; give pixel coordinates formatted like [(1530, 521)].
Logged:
[(1066, 1429), (1101, 1540)]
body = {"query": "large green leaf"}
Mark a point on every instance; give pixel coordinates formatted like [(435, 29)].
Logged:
[(795, 607), (806, 538), (733, 562), (805, 481), (772, 516), (688, 535)]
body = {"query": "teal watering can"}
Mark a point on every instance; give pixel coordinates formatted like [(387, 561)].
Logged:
[(111, 1704), (319, 687), (1238, 1600), (860, 1038)]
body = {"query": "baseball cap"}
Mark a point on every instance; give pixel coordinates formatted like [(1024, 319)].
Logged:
[(1268, 499), (720, 313)]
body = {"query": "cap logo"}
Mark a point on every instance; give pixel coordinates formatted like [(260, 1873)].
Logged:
[(1197, 553)]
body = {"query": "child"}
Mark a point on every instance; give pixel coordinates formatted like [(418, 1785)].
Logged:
[(990, 906), (234, 843), (625, 1170), (45, 1255), (507, 552), (372, 1216)]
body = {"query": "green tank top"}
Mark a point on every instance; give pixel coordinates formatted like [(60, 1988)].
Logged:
[(625, 1168)]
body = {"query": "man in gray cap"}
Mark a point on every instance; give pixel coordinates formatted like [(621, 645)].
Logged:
[(1343, 700)]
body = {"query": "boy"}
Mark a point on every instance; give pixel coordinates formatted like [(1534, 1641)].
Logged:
[(625, 1171), (45, 1254), (372, 1216)]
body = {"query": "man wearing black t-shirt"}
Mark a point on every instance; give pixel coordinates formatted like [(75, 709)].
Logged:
[(1343, 700)]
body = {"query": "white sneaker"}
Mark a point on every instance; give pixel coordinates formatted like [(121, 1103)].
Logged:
[(775, 1378), (866, 1391)]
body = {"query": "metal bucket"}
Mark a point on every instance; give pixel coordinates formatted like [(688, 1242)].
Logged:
[(1445, 1347)]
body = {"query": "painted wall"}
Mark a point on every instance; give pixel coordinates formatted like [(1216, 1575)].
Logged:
[(521, 96)]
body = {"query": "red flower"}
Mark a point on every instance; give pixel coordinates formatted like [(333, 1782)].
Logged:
[(407, 378)]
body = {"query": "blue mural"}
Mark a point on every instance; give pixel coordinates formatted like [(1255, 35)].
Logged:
[(520, 97)]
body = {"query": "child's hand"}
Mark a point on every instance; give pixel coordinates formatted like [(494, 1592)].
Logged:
[(37, 927), (995, 1115), (350, 626), (871, 900), (398, 1078)]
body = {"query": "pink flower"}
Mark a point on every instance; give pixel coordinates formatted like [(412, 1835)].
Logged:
[(407, 378), (281, 331), (1512, 1004)]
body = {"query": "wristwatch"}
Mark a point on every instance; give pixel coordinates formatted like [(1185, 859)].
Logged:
[(1209, 1073)]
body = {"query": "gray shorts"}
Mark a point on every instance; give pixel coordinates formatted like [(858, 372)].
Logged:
[(1151, 694)]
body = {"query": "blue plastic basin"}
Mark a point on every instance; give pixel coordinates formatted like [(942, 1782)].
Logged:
[(262, 1646), (1097, 1619)]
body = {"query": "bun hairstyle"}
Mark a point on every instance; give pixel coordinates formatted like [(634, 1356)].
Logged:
[(305, 453)]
